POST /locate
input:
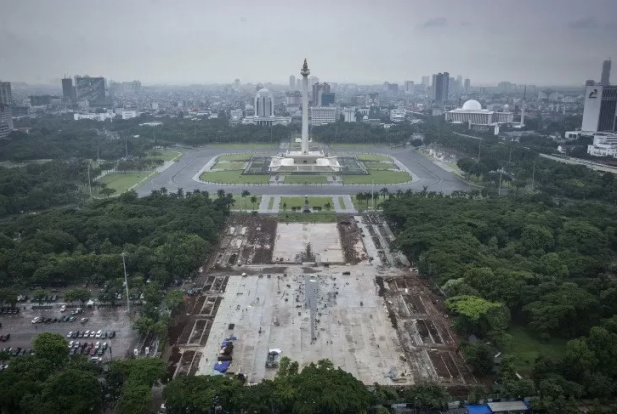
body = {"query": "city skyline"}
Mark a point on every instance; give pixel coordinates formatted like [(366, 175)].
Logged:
[(397, 40)]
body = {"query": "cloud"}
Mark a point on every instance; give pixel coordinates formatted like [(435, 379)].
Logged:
[(435, 22), (465, 24), (583, 23)]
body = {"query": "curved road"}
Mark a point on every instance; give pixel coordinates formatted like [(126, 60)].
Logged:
[(181, 173)]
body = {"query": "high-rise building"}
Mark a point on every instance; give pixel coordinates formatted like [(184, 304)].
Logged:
[(292, 82), (91, 89), (322, 115), (6, 117), (600, 112), (67, 89), (426, 81), (264, 103), (5, 93), (441, 87), (318, 90), (327, 98), (409, 85), (467, 87), (606, 73)]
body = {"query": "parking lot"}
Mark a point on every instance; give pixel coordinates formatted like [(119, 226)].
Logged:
[(107, 319)]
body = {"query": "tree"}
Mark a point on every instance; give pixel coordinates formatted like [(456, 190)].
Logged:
[(174, 298), (253, 201), (284, 206), (478, 316), (143, 325), (8, 296), (39, 295), (72, 391), (245, 193), (328, 206), (479, 356), (51, 347)]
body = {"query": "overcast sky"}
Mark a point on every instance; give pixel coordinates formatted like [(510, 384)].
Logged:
[(543, 42)]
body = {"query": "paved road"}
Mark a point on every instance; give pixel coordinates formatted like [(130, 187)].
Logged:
[(181, 175)]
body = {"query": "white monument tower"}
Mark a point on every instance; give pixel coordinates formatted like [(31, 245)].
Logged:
[(304, 160), (305, 72)]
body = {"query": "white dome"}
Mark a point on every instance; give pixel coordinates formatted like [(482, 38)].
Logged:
[(472, 105)]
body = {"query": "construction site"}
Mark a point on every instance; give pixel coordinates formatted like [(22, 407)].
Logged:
[(311, 291)]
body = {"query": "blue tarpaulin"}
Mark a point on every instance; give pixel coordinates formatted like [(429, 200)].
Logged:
[(231, 338), (478, 409), (224, 344), (222, 366)]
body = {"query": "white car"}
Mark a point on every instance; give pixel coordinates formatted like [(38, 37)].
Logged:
[(62, 308), (86, 334), (36, 320), (92, 333), (97, 345), (99, 333), (70, 335), (71, 344)]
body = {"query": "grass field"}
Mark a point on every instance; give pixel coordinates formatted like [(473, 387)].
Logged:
[(301, 179), (351, 146), (229, 165), (165, 155), (322, 217), (378, 177), (244, 203), (527, 348), (234, 157), (233, 177), (299, 202), (373, 157), (341, 201), (380, 165), (247, 146), (121, 182)]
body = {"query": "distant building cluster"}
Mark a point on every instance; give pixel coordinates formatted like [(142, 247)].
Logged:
[(6, 116)]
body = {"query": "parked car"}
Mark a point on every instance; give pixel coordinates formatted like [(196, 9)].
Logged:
[(112, 334), (92, 334), (99, 333), (69, 335), (97, 345), (100, 352), (71, 344), (63, 308), (37, 319), (92, 351), (84, 320), (104, 336)]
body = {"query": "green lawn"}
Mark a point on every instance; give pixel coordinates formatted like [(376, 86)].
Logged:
[(380, 165), (299, 202), (361, 205), (374, 157), (234, 157), (244, 203), (351, 146), (121, 182), (271, 203), (341, 201), (247, 146), (230, 165), (233, 177), (165, 155), (526, 348), (301, 179), (378, 177), (321, 217)]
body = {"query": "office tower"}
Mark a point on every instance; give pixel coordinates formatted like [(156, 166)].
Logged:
[(264, 103), (5, 93), (441, 87), (90, 89), (467, 85), (6, 117), (409, 85), (327, 99), (606, 73), (67, 89), (318, 90), (600, 112), (292, 82)]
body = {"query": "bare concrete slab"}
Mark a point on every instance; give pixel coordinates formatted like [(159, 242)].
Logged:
[(353, 327), (292, 238)]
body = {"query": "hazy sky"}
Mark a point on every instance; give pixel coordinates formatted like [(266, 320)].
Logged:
[(364, 41)]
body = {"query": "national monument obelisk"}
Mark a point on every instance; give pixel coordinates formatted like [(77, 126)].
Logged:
[(305, 138)]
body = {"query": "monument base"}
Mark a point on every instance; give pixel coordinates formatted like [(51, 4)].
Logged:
[(309, 162)]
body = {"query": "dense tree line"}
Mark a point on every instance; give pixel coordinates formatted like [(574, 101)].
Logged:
[(165, 237), (524, 259), (41, 186)]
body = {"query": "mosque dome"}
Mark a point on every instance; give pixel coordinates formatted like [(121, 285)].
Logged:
[(472, 105)]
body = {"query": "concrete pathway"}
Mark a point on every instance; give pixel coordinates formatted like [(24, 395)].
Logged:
[(336, 204), (263, 205), (348, 207), (277, 205)]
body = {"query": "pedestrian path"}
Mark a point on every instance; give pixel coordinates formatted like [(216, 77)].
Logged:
[(264, 206)]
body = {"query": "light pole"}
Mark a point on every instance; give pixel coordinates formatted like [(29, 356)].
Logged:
[(126, 285)]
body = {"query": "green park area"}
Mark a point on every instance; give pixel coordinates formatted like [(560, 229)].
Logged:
[(246, 146), (306, 179), (122, 182), (165, 155), (234, 157), (374, 157), (246, 203), (298, 202), (233, 177), (229, 165), (320, 217), (526, 348)]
